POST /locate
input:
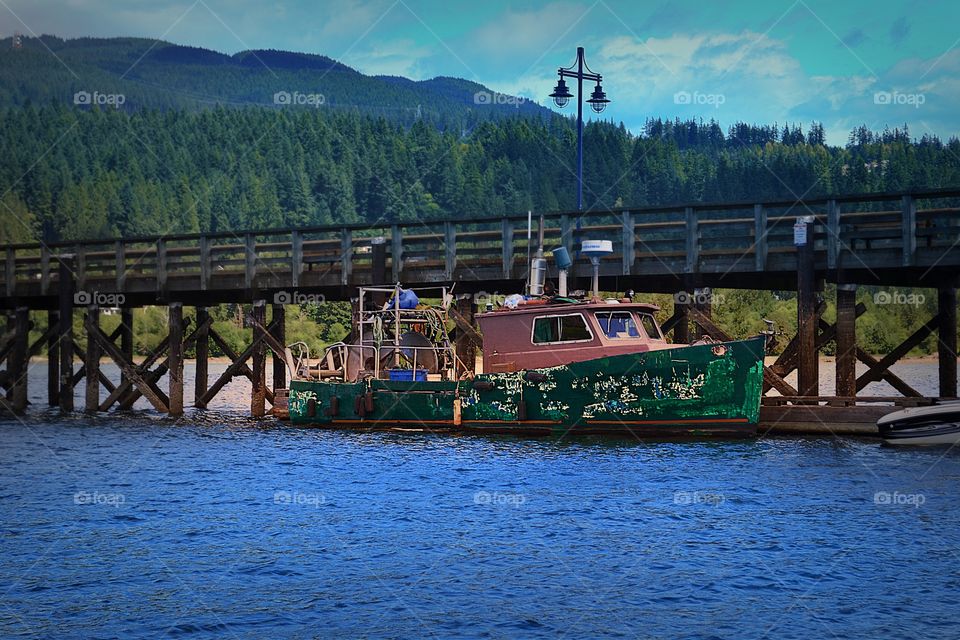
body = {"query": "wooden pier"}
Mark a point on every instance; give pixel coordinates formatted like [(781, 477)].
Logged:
[(893, 240)]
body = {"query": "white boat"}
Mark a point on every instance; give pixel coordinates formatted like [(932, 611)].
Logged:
[(935, 424)]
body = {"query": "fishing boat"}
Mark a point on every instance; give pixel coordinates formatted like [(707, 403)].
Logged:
[(550, 365), (936, 424)]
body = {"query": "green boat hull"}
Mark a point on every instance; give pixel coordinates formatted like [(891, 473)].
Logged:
[(699, 390)]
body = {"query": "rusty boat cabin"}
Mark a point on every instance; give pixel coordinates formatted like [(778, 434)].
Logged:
[(542, 333)]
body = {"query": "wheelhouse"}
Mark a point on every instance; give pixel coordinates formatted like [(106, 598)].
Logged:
[(538, 336)]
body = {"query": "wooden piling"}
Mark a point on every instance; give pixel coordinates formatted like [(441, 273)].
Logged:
[(258, 405), (65, 286), (807, 321), (53, 359), (466, 346), (702, 302), (681, 330), (126, 335), (176, 358), (947, 343), (279, 333), (91, 363), (17, 365), (846, 339), (201, 379)]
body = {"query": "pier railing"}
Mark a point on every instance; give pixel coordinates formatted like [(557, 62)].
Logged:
[(876, 232)]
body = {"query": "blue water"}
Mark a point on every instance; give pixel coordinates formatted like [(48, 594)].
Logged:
[(215, 526)]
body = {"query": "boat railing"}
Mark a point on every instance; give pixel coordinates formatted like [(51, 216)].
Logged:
[(336, 357)]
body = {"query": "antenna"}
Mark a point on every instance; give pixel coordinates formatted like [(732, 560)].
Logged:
[(17, 40)]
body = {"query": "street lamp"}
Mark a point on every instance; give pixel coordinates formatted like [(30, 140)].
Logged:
[(598, 102)]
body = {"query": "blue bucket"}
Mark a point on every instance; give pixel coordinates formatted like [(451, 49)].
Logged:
[(406, 375)]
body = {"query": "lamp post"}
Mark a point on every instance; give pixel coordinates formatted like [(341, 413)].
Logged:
[(598, 102)]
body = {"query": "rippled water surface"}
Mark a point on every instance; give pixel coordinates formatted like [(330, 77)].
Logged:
[(216, 526)]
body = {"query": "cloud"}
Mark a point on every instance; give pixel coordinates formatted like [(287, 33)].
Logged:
[(401, 57), (899, 30), (853, 38), (526, 36), (751, 77)]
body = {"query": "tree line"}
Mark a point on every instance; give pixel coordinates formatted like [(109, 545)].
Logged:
[(72, 174)]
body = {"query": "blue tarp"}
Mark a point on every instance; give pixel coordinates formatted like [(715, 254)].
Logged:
[(408, 300)]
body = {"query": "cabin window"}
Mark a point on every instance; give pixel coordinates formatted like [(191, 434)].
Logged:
[(568, 328), (618, 325), (650, 326)]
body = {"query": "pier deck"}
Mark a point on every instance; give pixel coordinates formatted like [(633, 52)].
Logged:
[(909, 239)]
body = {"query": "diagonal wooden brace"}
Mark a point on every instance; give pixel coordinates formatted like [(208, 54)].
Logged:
[(789, 358), (149, 390), (161, 370), (42, 341), (128, 396), (672, 321), (273, 343), (887, 376), (878, 368), (82, 373), (238, 367)]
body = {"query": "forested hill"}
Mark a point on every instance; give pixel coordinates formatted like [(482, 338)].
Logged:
[(160, 75), (73, 173), (199, 145)]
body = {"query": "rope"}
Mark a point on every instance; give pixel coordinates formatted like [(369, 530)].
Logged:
[(378, 334)]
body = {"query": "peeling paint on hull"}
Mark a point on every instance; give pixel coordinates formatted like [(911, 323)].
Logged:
[(700, 390)]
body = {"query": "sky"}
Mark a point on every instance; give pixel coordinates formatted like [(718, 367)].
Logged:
[(840, 63)]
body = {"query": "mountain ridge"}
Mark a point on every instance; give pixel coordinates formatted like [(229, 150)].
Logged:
[(151, 73)]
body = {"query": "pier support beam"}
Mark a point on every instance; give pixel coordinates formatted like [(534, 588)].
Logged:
[(808, 380), (91, 363), (65, 287), (126, 335), (947, 343), (53, 358), (201, 378), (681, 325), (279, 333), (378, 272), (466, 344), (258, 407), (19, 359), (176, 359), (846, 339), (702, 302)]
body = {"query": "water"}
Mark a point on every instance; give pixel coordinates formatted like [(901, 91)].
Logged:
[(215, 525), (218, 526)]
